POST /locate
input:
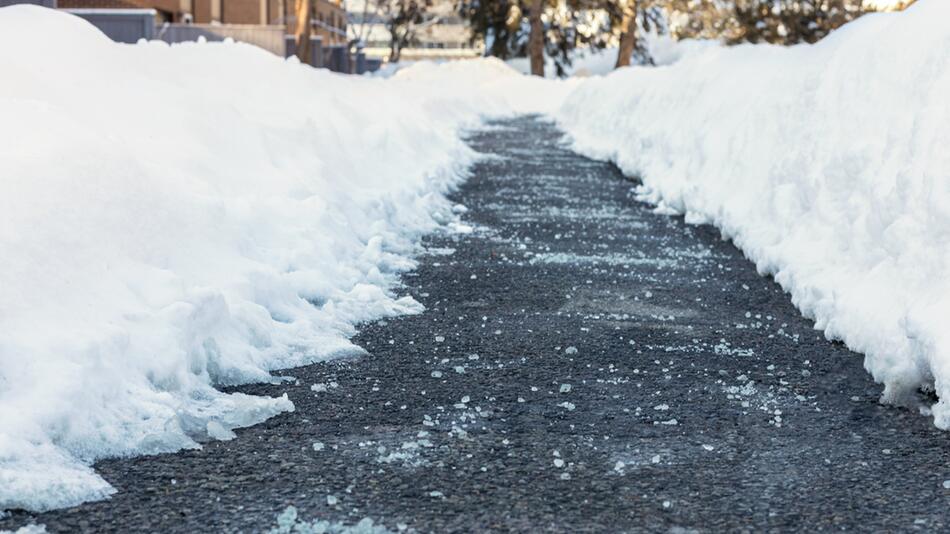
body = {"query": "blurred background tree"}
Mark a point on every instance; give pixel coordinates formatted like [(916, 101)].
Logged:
[(791, 21), (505, 26)]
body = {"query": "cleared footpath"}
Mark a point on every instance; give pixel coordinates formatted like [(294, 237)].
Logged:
[(583, 365)]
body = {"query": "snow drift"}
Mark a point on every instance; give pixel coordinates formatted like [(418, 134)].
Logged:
[(826, 164), (176, 217)]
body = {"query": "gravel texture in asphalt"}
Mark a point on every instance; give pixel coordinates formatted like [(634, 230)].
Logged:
[(583, 365)]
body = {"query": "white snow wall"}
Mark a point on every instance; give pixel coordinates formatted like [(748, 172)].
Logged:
[(175, 217), (828, 165)]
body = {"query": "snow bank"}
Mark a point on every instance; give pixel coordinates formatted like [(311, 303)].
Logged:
[(178, 217), (827, 165)]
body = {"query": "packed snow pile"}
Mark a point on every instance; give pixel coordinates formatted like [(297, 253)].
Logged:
[(827, 164), (178, 217)]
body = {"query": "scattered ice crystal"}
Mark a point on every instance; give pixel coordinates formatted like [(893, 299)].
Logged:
[(288, 522)]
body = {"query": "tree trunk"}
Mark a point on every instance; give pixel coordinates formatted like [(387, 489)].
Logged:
[(395, 45), (628, 39), (536, 39), (302, 33)]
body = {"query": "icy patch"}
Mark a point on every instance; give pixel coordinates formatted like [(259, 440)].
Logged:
[(408, 454), (749, 396), (440, 251), (288, 522), (613, 259)]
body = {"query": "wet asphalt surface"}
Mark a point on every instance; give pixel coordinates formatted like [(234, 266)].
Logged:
[(584, 365)]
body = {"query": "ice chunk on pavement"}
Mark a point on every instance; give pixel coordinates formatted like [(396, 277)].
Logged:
[(217, 431)]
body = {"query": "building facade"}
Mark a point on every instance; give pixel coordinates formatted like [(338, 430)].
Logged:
[(329, 16)]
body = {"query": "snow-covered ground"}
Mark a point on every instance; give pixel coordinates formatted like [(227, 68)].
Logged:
[(827, 165), (178, 217)]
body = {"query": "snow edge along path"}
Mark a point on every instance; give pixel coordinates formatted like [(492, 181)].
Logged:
[(178, 217), (826, 164)]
